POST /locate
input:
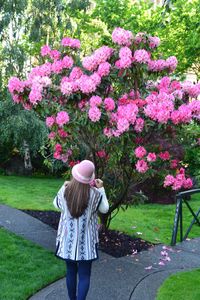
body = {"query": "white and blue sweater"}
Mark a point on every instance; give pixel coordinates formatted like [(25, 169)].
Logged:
[(77, 238)]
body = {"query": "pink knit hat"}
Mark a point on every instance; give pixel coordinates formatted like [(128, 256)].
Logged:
[(84, 171)]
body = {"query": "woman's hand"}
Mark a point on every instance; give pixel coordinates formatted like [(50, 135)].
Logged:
[(98, 183)]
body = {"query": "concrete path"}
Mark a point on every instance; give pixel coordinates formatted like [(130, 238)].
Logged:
[(112, 278)]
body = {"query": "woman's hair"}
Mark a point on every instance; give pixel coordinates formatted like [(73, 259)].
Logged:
[(77, 197)]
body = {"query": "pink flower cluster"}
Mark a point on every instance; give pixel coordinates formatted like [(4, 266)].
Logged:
[(122, 37), (101, 55), (95, 101), (161, 64), (154, 42), (94, 114), (125, 60), (69, 42), (61, 156), (102, 154), (159, 107), (15, 85), (109, 104), (141, 56), (141, 165), (192, 89), (61, 119), (179, 181)]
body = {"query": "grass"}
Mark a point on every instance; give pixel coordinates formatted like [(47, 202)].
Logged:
[(183, 285), (28, 192), (154, 221), (25, 267)]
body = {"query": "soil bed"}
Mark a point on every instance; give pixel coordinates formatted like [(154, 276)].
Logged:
[(112, 242)]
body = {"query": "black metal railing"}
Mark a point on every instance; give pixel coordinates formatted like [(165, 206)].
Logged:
[(181, 198)]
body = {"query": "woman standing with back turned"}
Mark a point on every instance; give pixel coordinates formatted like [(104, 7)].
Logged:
[(77, 236)]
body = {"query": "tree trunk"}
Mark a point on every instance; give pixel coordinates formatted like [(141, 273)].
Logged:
[(27, 159), (104, 219)]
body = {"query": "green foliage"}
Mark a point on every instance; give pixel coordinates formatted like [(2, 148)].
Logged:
[(182, 283), (17, 126), (25, 267)]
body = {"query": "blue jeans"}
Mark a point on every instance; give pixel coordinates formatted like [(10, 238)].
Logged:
[(83, 268)]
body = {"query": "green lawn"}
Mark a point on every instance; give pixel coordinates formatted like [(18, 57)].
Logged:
[(181, 286), (154, 221), (28, 192), (25, 267)]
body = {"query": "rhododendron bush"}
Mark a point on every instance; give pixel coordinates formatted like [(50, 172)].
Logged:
[(118, 107)]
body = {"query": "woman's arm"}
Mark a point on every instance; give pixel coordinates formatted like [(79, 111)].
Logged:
[(58, 200), (104, 205)]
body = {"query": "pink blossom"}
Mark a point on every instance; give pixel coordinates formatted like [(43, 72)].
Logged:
[(107, 132), (172, 63), (141, 166), (52, 135), (104, 69), (141, 56), (76, 73), (101, 153), (35, 94), (57, 155), (122, 37), (94, 114), (140, 152), (15, 85), (174, 164), (58, 148), (157, 65), (164, 155), (67, 62), (177, 185), (122, 125), (62, 133), (62, 118), (96, 78), (151, 157), (50, 121), (69, 42), (54, 54), (57, 66), (154, 41), (82, 104), (169, 180), (45, 50), (187, 183), (125, 52), (109, 104), (140, 37), (139, 125), (66, 86), (95, 101), (101, 55), (86, 84), (124, 63)]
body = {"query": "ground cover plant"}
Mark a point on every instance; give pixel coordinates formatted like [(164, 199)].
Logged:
[(177, 285), (25, 267), (121, 105)]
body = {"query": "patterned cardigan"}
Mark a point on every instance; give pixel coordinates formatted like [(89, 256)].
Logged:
[(77, 238)]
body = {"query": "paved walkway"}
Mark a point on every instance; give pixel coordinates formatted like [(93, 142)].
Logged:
[(112, 278)]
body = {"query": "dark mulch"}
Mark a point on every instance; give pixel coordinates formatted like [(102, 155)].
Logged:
[(111, 242)]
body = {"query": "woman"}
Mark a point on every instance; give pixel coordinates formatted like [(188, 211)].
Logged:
[(77, 235)]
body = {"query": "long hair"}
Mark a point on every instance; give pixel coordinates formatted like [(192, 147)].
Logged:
[(77, 197)]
